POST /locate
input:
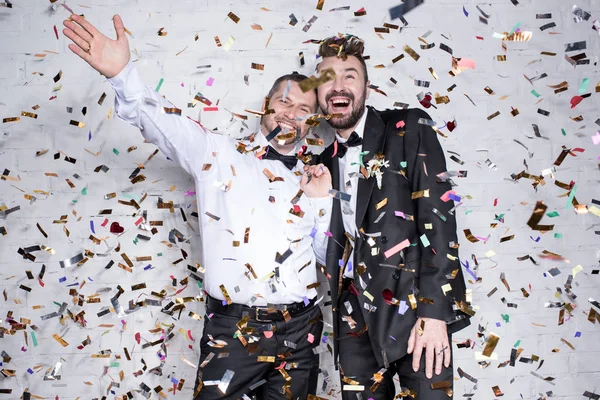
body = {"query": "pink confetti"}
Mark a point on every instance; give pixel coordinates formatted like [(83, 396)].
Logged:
[(400, 124), (190, 193), (210, 81), (139, 221), (596, 138), (399, 214), (405, 243), (268, 334), (466, 62), (310, 338)]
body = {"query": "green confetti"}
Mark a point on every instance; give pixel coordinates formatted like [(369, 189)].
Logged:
[(58, 304), (552, 214), (33, 339), (558, 235), (584, 85), (403, 164), (116, 152), (424, 240), (563, 132), (536, 94), (518, 343), (468, 212), (135, 240), (159, 254), (571, 196), (115, 364), (515, 28), (506, 318), (84, 191), (159, 84), (199, 284), (131, 196)]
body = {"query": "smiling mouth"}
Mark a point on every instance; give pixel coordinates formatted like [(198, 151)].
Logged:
[(339, 104), (286, 126)]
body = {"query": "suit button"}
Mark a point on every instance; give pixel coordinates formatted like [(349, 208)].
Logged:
[(396, 275), (383, 239)]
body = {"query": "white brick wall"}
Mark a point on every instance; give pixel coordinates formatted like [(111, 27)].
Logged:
[(27, 29)]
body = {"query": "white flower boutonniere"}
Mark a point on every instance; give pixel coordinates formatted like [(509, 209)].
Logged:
[(375, 167)]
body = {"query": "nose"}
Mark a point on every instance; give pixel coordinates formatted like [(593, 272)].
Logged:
[(338, 84)]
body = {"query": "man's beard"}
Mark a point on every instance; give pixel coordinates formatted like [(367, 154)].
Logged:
[(352, 119)]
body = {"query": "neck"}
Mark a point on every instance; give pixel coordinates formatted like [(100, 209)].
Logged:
[(345, 133)]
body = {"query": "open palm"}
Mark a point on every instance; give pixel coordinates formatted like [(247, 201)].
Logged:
[(105, 55)]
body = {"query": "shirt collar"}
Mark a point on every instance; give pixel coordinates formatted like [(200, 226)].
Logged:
[(359, 129)]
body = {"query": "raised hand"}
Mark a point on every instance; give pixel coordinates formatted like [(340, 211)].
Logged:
[(105, 55), (316, 181)]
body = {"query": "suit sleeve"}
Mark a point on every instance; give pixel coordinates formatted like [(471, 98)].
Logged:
[(179, 138), (436, 227)]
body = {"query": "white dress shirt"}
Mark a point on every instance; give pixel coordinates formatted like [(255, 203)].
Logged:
[(245, 219), (349, 169)]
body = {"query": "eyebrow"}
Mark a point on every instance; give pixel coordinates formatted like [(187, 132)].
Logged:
[(351, 69)]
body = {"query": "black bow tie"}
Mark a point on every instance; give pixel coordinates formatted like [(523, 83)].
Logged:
[(289, 161), (353, 141)]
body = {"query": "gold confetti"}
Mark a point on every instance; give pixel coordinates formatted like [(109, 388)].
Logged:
[(314, 81), (60, 340), (161, 33), (411, 52), (234, 17), (490, 345), (225, 294), (259, 67)]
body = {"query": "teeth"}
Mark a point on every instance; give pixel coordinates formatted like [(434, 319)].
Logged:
[(286, 125)]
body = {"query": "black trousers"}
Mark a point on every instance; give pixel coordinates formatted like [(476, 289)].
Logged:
[(358, 363), (290, 344)]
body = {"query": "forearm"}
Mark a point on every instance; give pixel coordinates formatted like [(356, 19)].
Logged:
[(158, 120)]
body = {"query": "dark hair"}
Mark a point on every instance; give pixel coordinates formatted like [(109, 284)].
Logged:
[(347, 45), (295, 77)]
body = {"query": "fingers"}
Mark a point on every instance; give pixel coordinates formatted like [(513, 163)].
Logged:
[(78, 40), (447, 355), (411, 341), (439, 359), (417, 352), (85, 24), (78, 30), (119, 27), (83, 54), (429, 358)]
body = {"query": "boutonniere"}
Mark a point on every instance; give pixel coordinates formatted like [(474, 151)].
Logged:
[(375, 167)]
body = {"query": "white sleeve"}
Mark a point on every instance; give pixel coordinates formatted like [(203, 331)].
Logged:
[(322, 207), (179, 138)]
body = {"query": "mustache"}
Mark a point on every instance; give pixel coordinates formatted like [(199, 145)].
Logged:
[(349, 95)]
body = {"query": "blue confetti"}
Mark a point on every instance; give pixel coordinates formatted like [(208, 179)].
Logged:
[(92, 227), (465, 11), (61, 280)]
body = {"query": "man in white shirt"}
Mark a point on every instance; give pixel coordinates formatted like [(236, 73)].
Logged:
[(258, 227)]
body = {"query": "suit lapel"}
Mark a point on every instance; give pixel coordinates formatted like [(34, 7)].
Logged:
[(373, 142)]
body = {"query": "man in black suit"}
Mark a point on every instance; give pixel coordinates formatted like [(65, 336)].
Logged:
[(396, 283)]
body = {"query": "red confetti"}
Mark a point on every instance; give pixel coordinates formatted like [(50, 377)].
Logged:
[(56, 32), (576, 100), (495, 202), (116, 228)]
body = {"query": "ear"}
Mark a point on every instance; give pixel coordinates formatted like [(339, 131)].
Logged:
[(367, 90)]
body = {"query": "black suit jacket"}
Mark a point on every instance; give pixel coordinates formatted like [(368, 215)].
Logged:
[(417, 270)]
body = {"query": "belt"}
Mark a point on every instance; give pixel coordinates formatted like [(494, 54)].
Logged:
[(261, 314)]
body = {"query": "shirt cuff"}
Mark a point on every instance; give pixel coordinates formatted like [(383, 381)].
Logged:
[(323, 207), (128, 82)]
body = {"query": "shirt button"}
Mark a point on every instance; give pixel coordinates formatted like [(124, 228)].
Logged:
[(383, 239)]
